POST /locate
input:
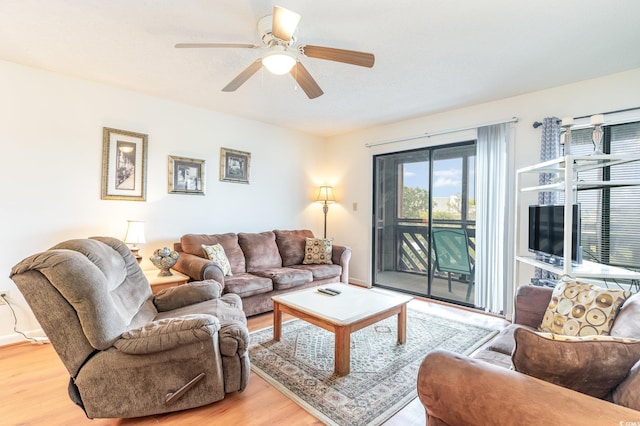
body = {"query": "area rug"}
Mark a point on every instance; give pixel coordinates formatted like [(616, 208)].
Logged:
[(383, 374)]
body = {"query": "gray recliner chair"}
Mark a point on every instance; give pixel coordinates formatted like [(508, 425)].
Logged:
[(130, 353)]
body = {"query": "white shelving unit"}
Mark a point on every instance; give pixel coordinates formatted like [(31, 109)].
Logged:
[(568, 180)]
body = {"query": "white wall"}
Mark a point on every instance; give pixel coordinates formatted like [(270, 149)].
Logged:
[(51, 140), (350, 162)]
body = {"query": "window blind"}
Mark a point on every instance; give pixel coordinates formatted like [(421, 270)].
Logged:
[(610, 217)]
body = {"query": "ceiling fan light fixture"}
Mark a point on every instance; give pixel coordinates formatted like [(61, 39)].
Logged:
[(285, 22), (278, 62)]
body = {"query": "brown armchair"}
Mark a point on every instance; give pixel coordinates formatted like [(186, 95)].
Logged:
[(130, 353), (483, 389)]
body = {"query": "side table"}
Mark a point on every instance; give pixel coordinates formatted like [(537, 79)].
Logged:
[(160, 283)]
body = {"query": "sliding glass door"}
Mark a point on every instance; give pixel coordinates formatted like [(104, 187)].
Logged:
[(419, 194)]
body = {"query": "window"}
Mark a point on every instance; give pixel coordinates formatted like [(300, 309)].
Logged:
[(610, 229)]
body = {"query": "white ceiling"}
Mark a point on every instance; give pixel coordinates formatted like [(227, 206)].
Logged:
[(431, 55)]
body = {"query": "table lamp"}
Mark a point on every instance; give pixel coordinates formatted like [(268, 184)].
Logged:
[(135, 235)]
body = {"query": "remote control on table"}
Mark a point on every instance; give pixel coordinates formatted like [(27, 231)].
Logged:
[(325, 291), (333, 290)]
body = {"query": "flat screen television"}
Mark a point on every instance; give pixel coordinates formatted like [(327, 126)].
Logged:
[(546, 231)]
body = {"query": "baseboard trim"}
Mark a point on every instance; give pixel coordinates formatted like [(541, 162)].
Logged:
[(359, 283), (15, 338)]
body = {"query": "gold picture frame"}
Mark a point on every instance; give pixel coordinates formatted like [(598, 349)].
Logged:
[(234, 165), (186, 175), (124, 165)]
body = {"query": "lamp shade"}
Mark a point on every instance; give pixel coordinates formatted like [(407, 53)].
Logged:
[(279, 62), (325, 195), (135, 232)]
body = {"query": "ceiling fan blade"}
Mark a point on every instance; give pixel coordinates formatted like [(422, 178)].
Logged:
[(243, 76), (306, 82), (214, 45), (284, 24), (352, 57)]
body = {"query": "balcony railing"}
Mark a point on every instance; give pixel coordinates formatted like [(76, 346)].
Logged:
[(412, 242)]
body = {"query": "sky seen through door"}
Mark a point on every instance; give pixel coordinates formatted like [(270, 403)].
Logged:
[(447, 177)]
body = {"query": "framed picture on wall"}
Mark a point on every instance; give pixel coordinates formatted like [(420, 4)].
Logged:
[(186, 175), (234, 165), (124, 165)]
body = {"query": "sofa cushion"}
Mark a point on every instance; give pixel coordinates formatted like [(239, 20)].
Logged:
[(286, 277), (321, 272), (504, 342), (493, 357), (216, 254), (318, 251), (593, 365), (245, 285), (192, 244), (581, 309), (627, 322), (626, 393), (260, 250), (291, 245)]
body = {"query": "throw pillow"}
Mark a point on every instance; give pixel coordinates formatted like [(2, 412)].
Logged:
[(581, 309), (593, 365), (318, 251), (218, 256)]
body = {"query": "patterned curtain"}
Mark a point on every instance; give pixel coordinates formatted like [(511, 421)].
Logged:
[(549, 149)]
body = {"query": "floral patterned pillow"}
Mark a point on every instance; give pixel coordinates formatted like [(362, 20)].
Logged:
[(219, 257), (318, 251)]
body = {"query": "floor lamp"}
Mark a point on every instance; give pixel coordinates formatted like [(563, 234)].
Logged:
[(325, 196)]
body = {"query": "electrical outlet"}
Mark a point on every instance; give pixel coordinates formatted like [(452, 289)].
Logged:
[(5, 294)]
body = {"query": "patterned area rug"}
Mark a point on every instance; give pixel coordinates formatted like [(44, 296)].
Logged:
[(383, 374)]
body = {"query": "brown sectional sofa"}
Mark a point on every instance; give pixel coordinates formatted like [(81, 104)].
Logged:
[(484, 389), (262, 264)]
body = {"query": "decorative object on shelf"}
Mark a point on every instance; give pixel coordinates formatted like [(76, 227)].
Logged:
[(567, 122), (124, 165), (325, 196), (135, 235), (164, 259), (596, 137), (186, 175), (234, 165)]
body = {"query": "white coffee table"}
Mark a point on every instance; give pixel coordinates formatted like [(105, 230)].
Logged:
[(354, 308)]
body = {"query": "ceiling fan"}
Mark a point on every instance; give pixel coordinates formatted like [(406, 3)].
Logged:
[(282, 55)]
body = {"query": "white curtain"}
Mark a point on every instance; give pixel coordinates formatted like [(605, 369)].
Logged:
[(495, 216)]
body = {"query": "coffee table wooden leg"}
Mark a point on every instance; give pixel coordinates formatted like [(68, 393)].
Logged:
[(277, 321), (402, 325), (342, 352)]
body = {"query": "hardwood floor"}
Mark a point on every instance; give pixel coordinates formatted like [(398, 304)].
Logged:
[(33, 389)]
